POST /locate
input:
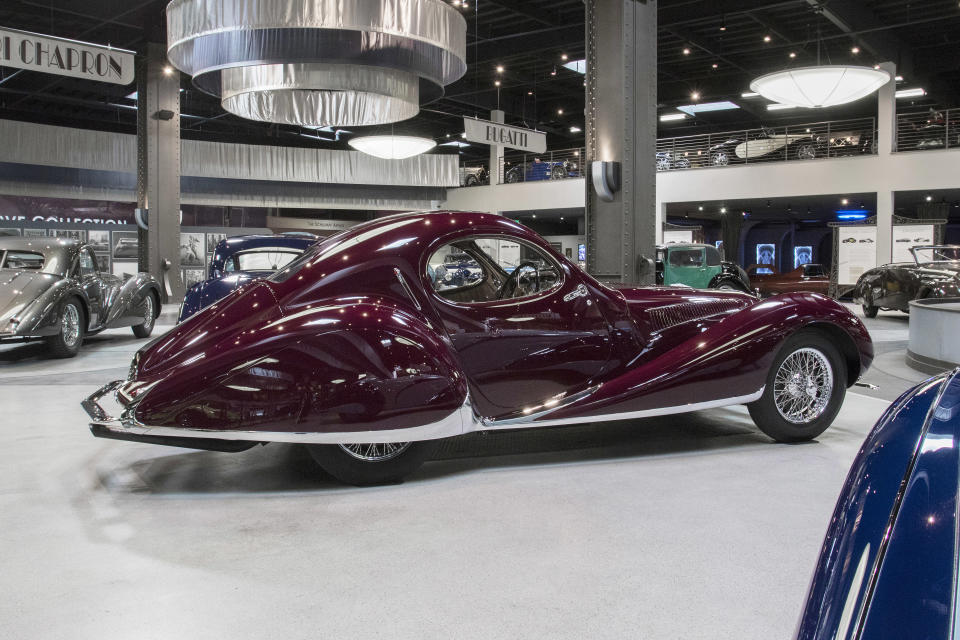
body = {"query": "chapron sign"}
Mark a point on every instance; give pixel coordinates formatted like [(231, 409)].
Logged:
[(494, 133), (47, 54)]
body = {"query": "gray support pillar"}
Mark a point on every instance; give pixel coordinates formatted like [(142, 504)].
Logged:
[(621, 103), (158, 169), (495, 170), (886, 144)]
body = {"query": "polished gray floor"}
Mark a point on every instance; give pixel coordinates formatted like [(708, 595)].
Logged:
[(693, 526)]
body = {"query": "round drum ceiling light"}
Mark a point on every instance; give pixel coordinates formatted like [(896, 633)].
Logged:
[(392, 147), (319, 62), (822, 86)]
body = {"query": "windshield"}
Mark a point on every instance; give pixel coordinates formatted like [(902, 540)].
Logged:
[(936, 254)]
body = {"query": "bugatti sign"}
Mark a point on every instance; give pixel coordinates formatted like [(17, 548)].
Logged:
[(494, 133), (47, 54)]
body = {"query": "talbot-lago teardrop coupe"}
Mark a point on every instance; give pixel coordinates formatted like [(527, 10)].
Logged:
[(357, 351), (53, 290)]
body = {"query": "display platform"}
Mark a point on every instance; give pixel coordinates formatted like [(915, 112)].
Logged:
[(934, 325)]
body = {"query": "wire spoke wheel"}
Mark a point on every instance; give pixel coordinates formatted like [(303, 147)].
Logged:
[(148, 316), (376, 452), (70, 325), (803, 386)]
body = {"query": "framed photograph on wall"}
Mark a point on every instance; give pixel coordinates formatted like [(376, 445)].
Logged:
[(192, 250), (99, 241), (70, 234), (9, 232), (126, 245), (212, 240), (35, 233), (192, 277)]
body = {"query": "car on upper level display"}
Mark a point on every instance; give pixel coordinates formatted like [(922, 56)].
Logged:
[(806, 277), (698, 266), (934, 273), (356, 351), (666, 161), (473, 176), (542, 170), (888, 565), (764, 144), (52, 289), (126, 248), (238, 260)]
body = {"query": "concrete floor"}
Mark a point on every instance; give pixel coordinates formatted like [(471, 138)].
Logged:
[(693, 526)]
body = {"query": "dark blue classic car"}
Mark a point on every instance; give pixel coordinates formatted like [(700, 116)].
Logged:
[(238, 260), (888, 567)]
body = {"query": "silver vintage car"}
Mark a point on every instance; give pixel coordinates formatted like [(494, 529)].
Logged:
[(51, 289)]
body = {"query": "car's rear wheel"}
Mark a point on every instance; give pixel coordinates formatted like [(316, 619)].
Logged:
[(372, 464), (471, 181), (805, 388), (150, 312), (806, 151), (66, 343)]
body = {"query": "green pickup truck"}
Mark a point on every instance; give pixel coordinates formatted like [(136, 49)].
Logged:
[(698, 266)]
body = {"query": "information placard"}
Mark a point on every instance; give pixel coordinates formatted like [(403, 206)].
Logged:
[(858, 253), (910, 235)]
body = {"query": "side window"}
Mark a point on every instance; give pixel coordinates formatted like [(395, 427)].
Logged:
[(713, 257), (453, 268), (489, 269), (88, 266), (686, 257)]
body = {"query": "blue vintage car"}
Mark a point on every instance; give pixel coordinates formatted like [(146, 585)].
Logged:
[(240, 259), (888, 567)]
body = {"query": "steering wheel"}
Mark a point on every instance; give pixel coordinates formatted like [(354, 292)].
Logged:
[(511, 282)]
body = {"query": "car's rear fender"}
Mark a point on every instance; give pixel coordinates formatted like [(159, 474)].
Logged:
[(355, 367)]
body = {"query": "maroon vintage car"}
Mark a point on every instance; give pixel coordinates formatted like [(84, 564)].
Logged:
[(361, 351), (807, 277)]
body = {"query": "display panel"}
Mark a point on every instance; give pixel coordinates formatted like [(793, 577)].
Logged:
[(910, 235), (802, 255), (857, 253), (766, 255)]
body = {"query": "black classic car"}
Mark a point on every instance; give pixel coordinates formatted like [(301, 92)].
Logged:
[(934, 273), (52, 289)]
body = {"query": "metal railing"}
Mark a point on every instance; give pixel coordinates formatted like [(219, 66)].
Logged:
[(833, 139), (928, 130)]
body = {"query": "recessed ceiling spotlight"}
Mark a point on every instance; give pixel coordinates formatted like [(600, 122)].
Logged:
[(534, 215), (686, 51), (168, 70), (700, 208), (929, 198), (723, 209), (529, 93), (496, 83), (767, 38), (695, 95), (844, 202), (554, 72), (575, 129), (563, 57), (559, 112), (715, 65), (793, 54), (855, 50), (499, 68)]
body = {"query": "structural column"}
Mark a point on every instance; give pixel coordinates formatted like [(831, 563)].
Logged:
[(495, 170), (621, 101), (886, 145), (158, 169)]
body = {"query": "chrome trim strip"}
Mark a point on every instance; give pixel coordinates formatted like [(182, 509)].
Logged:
[(532, 421), (461, 421)]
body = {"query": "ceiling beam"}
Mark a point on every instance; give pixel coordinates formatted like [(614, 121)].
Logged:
[(514, 7)]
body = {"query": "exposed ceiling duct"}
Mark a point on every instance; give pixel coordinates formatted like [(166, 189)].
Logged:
[(319, 62)]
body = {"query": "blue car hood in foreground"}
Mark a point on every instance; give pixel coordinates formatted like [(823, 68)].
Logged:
[(888, 566)]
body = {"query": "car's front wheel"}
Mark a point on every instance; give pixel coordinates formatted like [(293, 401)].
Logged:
[(66, 343), (805, 388), (869, 310), (150, 312), (372, 464)]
